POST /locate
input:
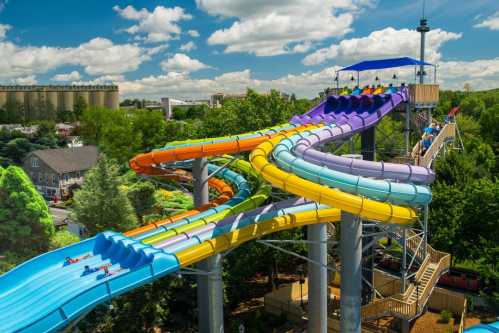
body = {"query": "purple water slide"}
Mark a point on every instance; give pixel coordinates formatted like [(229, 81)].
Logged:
[(351, 114), (229, 220)]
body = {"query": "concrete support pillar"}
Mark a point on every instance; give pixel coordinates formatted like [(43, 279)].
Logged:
[(317, 278), (368, 144), (351, 273), (210, 288)]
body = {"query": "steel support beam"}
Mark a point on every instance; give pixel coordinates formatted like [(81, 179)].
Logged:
[(317, 278), (351, 273), (368, 144), (210, 288), (407, 129)]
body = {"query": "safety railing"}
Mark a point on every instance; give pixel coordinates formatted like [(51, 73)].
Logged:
[(447, 133), (401, 305)]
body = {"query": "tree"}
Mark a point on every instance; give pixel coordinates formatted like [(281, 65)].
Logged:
[(141, 196), (63, 238), (17, 149), (489, 124), (472, 106), (26, 225), (79, 107), (100, 204)]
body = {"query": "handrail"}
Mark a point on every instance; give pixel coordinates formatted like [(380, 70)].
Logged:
[(447, 132), (400, 305)]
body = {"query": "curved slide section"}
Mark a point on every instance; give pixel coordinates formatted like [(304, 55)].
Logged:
[(62, 293)]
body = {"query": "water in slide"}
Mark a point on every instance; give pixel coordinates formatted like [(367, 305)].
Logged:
[(44, 295)]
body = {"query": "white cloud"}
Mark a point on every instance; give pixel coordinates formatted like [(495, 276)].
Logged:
[(74, 75), (193, 33), (388, 42), (99, 56), (480, 74), (491, 22), (116, 79), (273, 27), (160, 25), (4, 28), (182, 63), (26, 80), (189, 46)]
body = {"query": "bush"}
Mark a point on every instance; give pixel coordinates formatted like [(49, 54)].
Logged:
[(63, 238), (445, 316)]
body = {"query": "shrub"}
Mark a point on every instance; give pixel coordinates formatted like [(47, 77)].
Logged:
[(445, 316)]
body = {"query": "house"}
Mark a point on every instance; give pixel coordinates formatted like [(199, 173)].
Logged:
[(55, 172), (64, 130)]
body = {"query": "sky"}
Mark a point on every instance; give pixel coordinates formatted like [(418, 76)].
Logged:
[(193, 48)]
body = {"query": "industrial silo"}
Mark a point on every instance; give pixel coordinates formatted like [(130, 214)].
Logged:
[(68, 100), (52, 99), (97, 98), (112, 99), (3, 98)]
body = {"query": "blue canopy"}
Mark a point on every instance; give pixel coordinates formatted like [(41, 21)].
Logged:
[(384, 63)]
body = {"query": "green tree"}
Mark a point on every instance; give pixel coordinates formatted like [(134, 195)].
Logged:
[(141, 196), (79, 107), (472, 106), (26, 225), (100, 204), (63, 238), (151, 126), (17, 149)]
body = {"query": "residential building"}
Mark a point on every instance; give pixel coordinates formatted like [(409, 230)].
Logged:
[(59, 97), (56, 172)]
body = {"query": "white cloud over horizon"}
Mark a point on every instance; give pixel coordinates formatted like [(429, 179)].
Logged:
[(73, 76), (189, 46)]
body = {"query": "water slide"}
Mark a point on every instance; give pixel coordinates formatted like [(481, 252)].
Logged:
[(44, 295)]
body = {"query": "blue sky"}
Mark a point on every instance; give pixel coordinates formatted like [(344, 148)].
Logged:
[(191, 49)]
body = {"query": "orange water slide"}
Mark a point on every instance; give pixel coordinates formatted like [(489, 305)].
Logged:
[(224, 190), (144, 163)]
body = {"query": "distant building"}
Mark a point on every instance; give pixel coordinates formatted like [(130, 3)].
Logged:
[(55, 172), (60, 98), (216, 100), (26, 130), (64, 130), (169, 103)]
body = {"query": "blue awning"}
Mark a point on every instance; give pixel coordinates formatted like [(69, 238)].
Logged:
[(384, 63)]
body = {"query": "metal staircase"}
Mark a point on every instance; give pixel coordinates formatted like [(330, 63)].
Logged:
[(410, 304)]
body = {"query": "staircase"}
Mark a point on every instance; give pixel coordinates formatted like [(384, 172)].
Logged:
[(447, 133), (410, 304)]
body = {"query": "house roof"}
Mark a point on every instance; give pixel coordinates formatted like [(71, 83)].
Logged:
[(68, 159)]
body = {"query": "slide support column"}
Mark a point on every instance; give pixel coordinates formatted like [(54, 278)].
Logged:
[(317, 278), (368, 144), (351, 273), (210, 288)]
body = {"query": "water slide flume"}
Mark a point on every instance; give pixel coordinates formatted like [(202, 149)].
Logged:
[(224, 191)]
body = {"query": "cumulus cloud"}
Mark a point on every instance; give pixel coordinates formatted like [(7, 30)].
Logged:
[(182, 63), (99, 56), (193, 33), (74, 75), (116, 79), (26, 80), (480, 74), (273, 27), (160, 25), (189, 46), (388, 42), (491, 22), (4, 28)]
